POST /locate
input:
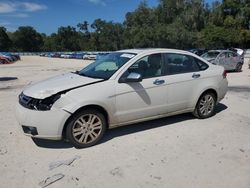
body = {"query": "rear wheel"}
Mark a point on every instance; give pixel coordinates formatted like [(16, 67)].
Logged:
[(238, 67), (205, 107), (86, 128)]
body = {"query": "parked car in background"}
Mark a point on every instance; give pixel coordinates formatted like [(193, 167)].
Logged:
[(13, 57), (9, 58), (101, 55), (68, 55), (198, 52), (78, 55), (56, 54), (239, 51), (4, 60), (124, 87), (230, 60), (90, 56)]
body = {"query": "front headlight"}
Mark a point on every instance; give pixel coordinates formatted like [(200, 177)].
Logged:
[(38, 104)]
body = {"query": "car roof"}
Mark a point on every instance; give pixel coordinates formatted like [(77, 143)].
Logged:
[(148, 50), (219, 51)]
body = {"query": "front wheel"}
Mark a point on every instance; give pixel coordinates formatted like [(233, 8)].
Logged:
[(205, 107), (86, 128)]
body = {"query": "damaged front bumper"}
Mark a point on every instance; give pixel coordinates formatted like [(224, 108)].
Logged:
[(42, 124)]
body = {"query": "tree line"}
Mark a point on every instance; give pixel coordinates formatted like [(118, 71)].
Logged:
[(181, 24)]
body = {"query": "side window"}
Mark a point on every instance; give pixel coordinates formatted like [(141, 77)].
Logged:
[(149, 66), (202, 65), (179, 63), (235, 54), (222, 55), (231, 54)]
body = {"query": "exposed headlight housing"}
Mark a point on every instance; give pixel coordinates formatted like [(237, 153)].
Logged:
[(38, 104)]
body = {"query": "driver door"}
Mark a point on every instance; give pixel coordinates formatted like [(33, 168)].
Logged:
[(143, 99)]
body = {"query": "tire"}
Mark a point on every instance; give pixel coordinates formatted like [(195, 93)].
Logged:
[(86, 128), (205, 106), (238, 67)]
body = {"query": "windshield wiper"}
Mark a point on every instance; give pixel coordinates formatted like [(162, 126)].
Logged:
[(82, 74)]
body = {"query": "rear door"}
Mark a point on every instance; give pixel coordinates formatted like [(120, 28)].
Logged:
[(184, 74), (223, 60), (232, 60)]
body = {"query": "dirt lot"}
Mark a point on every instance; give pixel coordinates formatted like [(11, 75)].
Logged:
[(178, 151)]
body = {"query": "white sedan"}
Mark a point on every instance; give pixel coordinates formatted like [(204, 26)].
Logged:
[(124, 87)]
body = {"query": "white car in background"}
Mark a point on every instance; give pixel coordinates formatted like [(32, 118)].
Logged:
[(124, 87), (90, 56)]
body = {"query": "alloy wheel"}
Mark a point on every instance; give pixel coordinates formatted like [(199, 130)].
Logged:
[(206, 105), (87, 128)]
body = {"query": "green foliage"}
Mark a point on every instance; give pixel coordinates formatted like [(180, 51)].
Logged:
[(5, 42), (67, 38), (27, 39), (178, 24)]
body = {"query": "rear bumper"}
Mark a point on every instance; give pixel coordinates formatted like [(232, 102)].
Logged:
[(41, 124)]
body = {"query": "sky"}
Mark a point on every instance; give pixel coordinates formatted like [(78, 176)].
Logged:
[(47, 15)]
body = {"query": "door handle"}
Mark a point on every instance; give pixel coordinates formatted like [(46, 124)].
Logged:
[(196, 75), (158, 82)]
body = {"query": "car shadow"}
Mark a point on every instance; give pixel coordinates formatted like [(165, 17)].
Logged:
[(5, 79), (233, 71), (129, 129), (220, 107), (51, 144)]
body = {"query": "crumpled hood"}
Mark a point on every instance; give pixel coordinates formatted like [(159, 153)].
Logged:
[(51, 86)]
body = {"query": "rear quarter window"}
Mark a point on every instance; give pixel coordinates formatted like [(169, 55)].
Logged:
[(202, 65)]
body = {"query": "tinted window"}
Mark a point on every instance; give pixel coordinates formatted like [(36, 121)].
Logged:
[(149, 66), (231, 54), (202, 66), (178, 63), (235, 54)]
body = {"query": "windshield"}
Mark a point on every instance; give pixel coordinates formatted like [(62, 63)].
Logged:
[(105, 67), (210, 55)]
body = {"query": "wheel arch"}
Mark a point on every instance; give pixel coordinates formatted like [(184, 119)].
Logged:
[(90, 106), (212, 90)]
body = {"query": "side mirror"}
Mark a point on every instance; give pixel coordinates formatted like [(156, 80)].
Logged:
[(132, 77)]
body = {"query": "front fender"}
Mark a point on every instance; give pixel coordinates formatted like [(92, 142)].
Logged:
[(109, 108)]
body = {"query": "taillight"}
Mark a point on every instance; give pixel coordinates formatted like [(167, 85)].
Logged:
[(224, 74)]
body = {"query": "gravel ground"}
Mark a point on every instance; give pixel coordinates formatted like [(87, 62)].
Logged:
[(178, 151)]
